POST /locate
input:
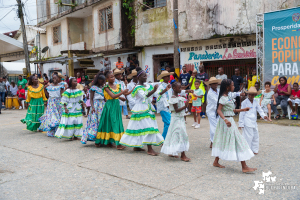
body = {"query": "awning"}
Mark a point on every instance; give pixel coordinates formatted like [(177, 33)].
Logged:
[(16, 67)]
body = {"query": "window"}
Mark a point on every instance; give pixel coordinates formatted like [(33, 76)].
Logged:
[(57, 34), (154, 3), (106, 19)]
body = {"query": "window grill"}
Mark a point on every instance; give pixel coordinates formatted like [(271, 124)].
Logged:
[(106, 19), (57, 34), (154, 4)]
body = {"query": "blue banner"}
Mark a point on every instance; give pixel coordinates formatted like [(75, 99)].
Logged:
[(282, 46)]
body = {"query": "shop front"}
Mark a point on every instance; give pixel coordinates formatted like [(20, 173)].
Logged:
[(229, 53)]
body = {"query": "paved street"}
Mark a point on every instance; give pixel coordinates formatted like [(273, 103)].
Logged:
[(34, 166)]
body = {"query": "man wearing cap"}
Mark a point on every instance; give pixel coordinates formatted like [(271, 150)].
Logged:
[(212, 101), (163, 96), (118, 75), (247, 120), (130, 86)]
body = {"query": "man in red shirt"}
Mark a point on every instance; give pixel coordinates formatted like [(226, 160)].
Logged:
[(78, 76), (294, 99), (21, 95)]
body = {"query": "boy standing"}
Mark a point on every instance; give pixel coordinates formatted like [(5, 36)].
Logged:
[(221, 75), (197, 101), (294, 99), (184, 78), (247, 120)]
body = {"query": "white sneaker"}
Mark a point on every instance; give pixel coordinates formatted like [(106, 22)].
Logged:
[(203, 116), (20, 107), (188, 113), (197, 126), (194, 124)]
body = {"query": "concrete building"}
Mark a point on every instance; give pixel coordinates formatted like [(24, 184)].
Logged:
[(85, 28), (213, 32)]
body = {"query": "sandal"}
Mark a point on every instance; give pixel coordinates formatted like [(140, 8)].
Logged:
[(277, 117), (283, 116)]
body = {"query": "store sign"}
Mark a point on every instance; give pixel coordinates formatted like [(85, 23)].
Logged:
[(282, 46)]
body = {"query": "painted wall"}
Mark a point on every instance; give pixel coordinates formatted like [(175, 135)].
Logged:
[(54, 66), (203, 19), (146, 57), (88, 30), (76, 31)]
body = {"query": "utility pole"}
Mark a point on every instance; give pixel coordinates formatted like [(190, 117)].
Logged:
[(25, 46), (176, 38)]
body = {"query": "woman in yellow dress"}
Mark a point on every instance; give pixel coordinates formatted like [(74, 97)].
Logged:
[(35, 99)]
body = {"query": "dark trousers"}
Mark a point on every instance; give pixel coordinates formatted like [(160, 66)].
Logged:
[(282, 100), (238, 102)]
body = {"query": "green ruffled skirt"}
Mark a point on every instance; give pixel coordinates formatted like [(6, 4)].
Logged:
[(34, 112)]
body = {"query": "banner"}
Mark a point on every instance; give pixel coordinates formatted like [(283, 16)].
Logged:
[(282, 46)]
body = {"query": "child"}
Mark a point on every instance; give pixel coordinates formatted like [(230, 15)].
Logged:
[(177, 140), (21, 96), (71, 121), (163, 95), (122, 99), (86, 99), (35, 98), (110, 129), (253, 79), (97, 103), (266, 97), (196, 108), (247, 120), (228, 143), (50, 120), (294, 99), (142, 128)]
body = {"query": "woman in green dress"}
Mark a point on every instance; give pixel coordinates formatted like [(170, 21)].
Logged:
[(35, 99)]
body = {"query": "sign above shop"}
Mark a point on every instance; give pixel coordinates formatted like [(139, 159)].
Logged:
[(222, 54)]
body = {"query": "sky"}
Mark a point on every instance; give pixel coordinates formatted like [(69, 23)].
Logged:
[(11, 22)]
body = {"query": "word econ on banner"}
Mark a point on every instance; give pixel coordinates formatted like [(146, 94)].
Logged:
[(282, 46)]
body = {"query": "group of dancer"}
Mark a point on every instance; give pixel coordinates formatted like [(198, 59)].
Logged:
[(63, 116)]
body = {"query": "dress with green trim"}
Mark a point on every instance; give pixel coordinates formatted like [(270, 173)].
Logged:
[(71, 122), (142, 128)]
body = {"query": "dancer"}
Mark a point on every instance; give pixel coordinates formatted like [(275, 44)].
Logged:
[(97, 103), (71, 121), (266, 99), (142, 128), (247, 120), (110, 129), (212, 101), (163, 95), (51, 119), (131, 85), (177, 140), (197, 101), (118, 75), (35, 98), (228, 143)]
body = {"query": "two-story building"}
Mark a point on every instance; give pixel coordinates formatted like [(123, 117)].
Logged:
[(90, 29)]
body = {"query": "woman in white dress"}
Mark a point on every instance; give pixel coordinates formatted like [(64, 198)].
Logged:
[(142, 128)]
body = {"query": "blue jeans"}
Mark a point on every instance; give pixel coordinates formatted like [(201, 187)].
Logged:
[(124, 109), (2, 98), (166, 117)]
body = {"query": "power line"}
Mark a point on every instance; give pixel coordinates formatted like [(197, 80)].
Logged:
[(7, 13)]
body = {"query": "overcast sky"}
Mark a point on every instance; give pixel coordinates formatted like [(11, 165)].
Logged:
[(11, 22)]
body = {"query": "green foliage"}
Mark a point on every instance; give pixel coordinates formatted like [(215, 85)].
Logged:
[(127, 4)]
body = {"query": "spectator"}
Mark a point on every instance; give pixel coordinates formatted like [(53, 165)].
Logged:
[(284, 91), (13, 88), (253, 79), (2, 92), (86, 76), (22, 82), (221, 75), (21, 96), (7, 90), (41, 80), (184, 78), (78, 76), (294, 99), (55, 72), (106, 64), (134, 63), (119, 64), (46, 80), (84, 82), (238, 85), (174, 76), (45, 76), (203, 76)]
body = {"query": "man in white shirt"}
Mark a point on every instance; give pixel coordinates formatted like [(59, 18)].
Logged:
[(212, 101), (106, 63), (118, 75), (221, 75), (247, 120), (130, 86)]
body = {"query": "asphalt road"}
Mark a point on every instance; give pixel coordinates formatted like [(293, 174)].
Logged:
[(34, 166)]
